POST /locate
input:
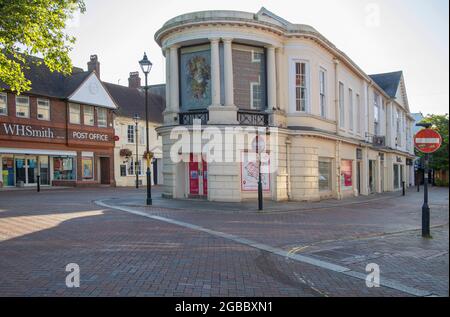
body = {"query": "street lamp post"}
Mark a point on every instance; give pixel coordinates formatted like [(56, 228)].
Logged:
[(146, 66), (136, 164)]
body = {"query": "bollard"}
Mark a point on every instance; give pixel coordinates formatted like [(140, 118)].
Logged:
[(404, 188), (38, 177)]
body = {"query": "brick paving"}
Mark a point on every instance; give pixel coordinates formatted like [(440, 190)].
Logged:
[(120, 254)]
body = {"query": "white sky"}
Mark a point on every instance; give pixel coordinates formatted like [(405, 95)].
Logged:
[(410, 35)]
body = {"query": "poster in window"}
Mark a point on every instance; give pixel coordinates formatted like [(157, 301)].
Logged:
[(250, 171), (346, 174), (87, 168)]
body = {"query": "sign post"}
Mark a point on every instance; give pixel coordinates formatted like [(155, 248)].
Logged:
[(426, 141)]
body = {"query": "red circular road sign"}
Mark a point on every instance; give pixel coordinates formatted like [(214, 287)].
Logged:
[(427, 141)]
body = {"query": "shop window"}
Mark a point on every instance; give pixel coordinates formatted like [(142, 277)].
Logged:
[(3, 104), (195, 75), (88, 115), (64, 168), (102, 117), (346, 175), (22, 107), (43, 109), (74, 114), (324, 174), (87, 164), (249, 77)]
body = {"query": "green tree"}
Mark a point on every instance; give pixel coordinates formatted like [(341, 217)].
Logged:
[(34, 27), (439, 159)]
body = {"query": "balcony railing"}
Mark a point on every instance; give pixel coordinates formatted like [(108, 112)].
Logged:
[(252, 118), (376, 140), (188, 118)]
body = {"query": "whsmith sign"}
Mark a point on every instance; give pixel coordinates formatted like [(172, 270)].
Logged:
[(30, 131)]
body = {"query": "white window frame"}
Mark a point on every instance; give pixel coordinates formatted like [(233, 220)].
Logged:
[(84, 115), (131, 167), (252, 85), (292, 84), (23, 104), (101, 125), (142, 136), (4, 95), (40, 107), (376, 114), (341, 92), (323, 104), (254, 54), (130, 132), (71, 107), (351, 120), (358, 114)]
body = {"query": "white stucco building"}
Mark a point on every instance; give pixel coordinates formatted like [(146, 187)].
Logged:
[(335, 131)]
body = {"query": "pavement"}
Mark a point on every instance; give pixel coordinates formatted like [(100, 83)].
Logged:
[(199, 248)]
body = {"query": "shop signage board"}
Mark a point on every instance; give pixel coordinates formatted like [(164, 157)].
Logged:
[(249, 171)]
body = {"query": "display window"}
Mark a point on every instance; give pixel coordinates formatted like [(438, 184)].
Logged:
[(64, 168), (346, 175), (87, 164)]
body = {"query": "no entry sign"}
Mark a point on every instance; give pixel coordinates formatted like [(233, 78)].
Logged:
[(427, 141)]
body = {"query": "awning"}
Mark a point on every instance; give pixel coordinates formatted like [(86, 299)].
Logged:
[(37, 152)]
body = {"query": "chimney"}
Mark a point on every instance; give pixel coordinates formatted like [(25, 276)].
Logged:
[(134, 81), (94, 64)]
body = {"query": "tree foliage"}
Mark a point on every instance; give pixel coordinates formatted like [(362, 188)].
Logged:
[(34, 27), (439, 159)]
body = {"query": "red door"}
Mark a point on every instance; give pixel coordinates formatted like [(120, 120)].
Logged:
[(194, 182)]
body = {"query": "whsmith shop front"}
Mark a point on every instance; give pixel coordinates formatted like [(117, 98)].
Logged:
[(75, 158), (61, 131)]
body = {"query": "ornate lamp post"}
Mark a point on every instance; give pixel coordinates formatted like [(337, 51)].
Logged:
[(136, 119), (146, 66)]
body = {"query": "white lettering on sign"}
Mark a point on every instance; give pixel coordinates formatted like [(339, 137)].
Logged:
[(90, 136), (28, 131), (428, 140)]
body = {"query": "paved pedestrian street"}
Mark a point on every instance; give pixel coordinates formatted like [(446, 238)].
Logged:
[(199, 248)]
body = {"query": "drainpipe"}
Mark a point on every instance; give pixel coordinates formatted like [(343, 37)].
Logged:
[(288, 143)]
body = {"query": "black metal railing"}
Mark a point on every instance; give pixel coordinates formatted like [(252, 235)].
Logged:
[(252, 118), (376, 140), (188, 118)]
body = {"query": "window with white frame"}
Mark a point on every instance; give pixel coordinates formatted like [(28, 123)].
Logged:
[(142, 136), (325, 175), (74, 114), (130, 133), (43, 109), (131, 167), (3, 104), (102, 117), (88, 115), (376, 113), (323, 92), (301, 87), (22, 107), (341, 106), (358, 113), (255, 95), (351, 112)]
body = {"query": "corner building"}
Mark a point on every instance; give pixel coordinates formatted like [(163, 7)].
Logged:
[(338, 132)]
